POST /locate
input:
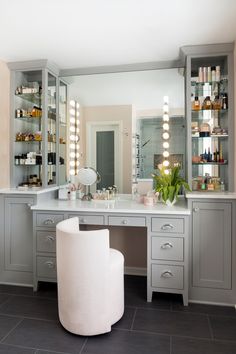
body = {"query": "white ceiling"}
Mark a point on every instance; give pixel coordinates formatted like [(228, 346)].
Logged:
[(81, 33)]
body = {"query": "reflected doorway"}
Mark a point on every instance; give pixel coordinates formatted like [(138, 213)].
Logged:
[(104, 151)]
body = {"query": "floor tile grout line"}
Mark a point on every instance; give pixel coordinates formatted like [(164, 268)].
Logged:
[(133, 319), (84, 344), (172, 334), (27, 317), (210, 327), (5, 337), (31, 296)]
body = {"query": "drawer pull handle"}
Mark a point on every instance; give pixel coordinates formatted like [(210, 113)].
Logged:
[(166, 245), (49, 222), (167, 274), (82, 220), (167, 227), (50, 238), (50, 264), (125, 222), (195, 210)]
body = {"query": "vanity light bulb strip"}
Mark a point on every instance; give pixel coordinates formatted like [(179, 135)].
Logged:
[(74, 138), (166, 134)]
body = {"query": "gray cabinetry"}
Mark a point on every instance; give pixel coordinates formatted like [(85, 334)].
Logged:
[(18, 234), (212, 245), (213, 251), (16, 264), (168, 255), (44, 246), (38, 125)]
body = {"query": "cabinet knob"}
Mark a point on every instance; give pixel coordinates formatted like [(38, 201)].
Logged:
[(50, 264), (82, 220), (125, 222), (167, 227), (167, 274), (29, 205), (196, 209), (50, 238), (49, 222), (166, 245)]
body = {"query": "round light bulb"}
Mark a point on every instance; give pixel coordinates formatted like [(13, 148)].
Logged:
[(72, 103), (166, 136), (166, 163), (166, 153), (72, 112), (166, 117), (166, 145), (72, 120), (166, 108), (166, 99), (166, 126)]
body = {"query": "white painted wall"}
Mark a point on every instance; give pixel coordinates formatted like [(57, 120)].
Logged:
[(4, 125)]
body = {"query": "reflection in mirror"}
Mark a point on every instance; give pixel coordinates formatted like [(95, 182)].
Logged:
[(116, 110)]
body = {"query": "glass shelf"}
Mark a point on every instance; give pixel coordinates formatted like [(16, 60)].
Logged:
[(222, 81), (34, 120), (209, 163), (211, 136), (209, 110), (31, 97), (28, 141)]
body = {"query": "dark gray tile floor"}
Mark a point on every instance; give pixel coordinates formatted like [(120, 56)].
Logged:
[(29, 325)]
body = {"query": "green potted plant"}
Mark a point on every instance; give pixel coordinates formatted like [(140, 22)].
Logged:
[(168, 184)]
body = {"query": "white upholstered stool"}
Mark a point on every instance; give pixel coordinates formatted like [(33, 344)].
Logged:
[(90, 278)]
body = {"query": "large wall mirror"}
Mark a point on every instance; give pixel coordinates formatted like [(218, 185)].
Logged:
[(121, 121)]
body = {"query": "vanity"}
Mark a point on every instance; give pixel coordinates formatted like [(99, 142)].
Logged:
[(167, 230), (191, 247)]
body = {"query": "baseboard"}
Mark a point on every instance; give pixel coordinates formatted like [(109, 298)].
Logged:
[(211, 303), (15, 284), (136, 271)]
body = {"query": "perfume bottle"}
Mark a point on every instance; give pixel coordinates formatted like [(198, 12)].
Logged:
[(196, 104)]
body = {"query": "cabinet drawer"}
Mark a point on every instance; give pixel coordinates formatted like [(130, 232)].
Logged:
[(89, 219), (126, 221), (168, 225), (168, 248), (46, 267), (167, 276), (48, 220), (46, 241)]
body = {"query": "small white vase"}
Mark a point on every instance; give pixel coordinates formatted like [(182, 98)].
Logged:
[(72, 195), (169, 203)]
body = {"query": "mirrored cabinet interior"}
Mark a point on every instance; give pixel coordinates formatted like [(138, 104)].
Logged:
[(39, 121), (210, 112), (63, 132)]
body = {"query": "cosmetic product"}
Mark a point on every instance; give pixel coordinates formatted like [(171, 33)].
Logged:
[(222, 186), (213, 73), (200, 74), (206, 103), (204, 74), (217, 73), (196, 104), (225, 101), (209, 74)]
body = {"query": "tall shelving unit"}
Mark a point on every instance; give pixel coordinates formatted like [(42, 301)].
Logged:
[(38, 125), (210, 117)]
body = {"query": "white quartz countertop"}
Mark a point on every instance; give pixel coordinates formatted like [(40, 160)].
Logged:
[(30, 191), (117, 206), (211, 195)]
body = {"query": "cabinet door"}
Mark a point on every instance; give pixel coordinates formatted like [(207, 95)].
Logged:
[(18, 234), (211, 245)]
